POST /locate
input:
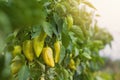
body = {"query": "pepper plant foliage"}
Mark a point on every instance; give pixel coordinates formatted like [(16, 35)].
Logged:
[(66, 21)]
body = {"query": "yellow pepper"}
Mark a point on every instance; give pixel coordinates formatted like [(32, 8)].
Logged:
[(69, 21), (48, 56), (57, 51), (15, 66), (17, 50), (38, 46), (42, 78), (72, 64), (38, 43), (28, 50)]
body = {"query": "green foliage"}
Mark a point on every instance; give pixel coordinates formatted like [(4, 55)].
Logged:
[(22, 20), (23, 73), (103, 76)]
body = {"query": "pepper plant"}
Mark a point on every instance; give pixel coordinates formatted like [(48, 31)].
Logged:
[(50, 40)]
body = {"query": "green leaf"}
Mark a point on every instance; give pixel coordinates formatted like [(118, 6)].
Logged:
[(62, 54), (60, 9), (65, 27), (89, 4), (2, 43), (24, 73), (76, 51), (7, 60), (50, 74), (65, 39), (54, 28), (86, 55), (78, 32), (66, 74), (35, 31), (79, 71), (24, 34), (47, 28), (59, 22)]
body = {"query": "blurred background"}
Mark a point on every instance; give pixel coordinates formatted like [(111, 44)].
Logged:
[(109, 11)]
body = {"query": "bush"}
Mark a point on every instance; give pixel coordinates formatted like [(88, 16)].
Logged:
[(32, 27)]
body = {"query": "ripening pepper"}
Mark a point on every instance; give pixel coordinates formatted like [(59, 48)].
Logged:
[(69, 21), (72, 64), (48, 56), (16, 50), (57, 51), (38, 43), (17, 63), (42, 78), (38, 46), (15, 67), (28, 50)]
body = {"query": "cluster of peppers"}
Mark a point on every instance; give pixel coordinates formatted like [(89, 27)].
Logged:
[(35, 47), (32, 48)]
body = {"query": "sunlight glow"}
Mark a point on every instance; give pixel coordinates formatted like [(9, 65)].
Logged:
[(110, 19)]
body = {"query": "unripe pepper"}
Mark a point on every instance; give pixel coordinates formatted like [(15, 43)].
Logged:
[(48, 56), (38, 43), (17, 50), (57, 51), (15, 66), (69, 21), (72, 64), (28, 50)]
